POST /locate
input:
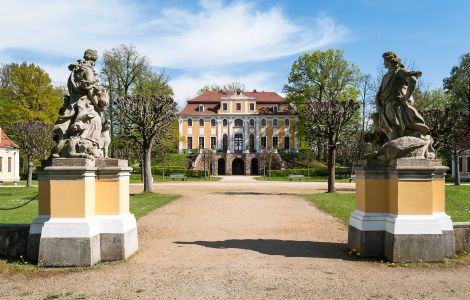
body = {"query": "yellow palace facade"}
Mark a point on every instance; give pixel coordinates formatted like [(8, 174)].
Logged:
[(236, 126)]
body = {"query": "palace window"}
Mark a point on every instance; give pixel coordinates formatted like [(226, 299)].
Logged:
[(238, 122), (213, 122), (252, 123), (286, 123), (468, 163), (213, 142), (224, 106), (9, 164), (224, 143), (201, 142), (201, 108), (190, 122), (460, 164), (263, 142), (238, 106), (252, 106), (275, 108), (224, 122), (286, 143), (275, 123), (275, 142), (263, 122), (201, 122), (252, 143), (189, 145), (1, 164)]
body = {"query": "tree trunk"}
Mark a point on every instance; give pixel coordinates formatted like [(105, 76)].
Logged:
[(148, 170), (142, 173), (456, 168), (331, 165), (29, 182)]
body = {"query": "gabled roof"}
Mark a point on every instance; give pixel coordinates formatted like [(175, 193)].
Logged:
[(5, 141), (269, 97)]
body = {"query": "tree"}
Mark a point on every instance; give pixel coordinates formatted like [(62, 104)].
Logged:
[(458, 84), (143, 120), (26, 93), (266, 157), (448, 127), (122, 69), (320, 85), (35, 139), (229, 87)]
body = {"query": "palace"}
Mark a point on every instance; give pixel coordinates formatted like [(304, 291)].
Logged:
[(236, 126)]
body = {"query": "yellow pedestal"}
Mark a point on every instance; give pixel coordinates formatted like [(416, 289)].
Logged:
[(400, 211), (83, 213)]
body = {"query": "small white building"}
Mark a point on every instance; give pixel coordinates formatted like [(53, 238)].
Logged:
[(9, 159)]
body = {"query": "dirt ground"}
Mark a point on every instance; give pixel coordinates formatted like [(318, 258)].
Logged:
[(242, 239)]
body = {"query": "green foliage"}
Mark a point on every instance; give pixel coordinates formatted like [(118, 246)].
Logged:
[(229, 87), (324, 76), (314, 172), (28, 94), (458, 83), (181, 160)]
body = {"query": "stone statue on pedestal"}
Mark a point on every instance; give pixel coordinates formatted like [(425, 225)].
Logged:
[(78, 131), (400, 130)]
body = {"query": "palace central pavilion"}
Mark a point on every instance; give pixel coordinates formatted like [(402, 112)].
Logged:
[(236, 126)]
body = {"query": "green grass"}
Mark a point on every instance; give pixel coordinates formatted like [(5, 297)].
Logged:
[(337, 204), (461, 195), (341, 205), (136, 178), (13, 196), (140, 204), (309, 179)]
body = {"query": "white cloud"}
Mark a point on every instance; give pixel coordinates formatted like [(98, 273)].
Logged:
[(216, 34), (186, 86)]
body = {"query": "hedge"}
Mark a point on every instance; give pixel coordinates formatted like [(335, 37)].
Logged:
[(156, 170), (340, 172)]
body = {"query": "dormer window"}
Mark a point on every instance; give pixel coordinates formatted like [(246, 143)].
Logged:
[(275, 108), (200, 108)]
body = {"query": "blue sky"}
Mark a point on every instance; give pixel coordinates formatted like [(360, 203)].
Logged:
[(254, 42)]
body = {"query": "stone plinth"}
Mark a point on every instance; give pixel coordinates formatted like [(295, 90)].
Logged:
[(83, 213), (118, 229), (400, 211)]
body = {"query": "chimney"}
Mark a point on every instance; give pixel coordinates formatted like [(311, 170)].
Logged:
[(254, 91)]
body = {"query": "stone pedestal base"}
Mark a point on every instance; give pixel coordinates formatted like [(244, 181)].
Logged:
[(400, 211), (118, 237), (83, 214)]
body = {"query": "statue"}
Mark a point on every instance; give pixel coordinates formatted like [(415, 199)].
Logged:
[(400, 130), (78, 131)]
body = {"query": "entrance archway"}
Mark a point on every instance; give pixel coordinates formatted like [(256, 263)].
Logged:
[(221, 166), (238, 167), (254, 166)]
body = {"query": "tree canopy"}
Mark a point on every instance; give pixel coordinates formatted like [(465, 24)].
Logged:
[(27, 93), (458, 83)]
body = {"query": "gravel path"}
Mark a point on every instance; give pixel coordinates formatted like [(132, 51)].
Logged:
[(242, 239)]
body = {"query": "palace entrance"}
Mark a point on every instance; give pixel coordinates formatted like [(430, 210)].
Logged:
[(221, 166), (254, 166), (238, 167)]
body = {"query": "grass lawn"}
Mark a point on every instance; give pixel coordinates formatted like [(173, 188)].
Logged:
[(136, 178), (341, 205), (140, 204), (309, 179)]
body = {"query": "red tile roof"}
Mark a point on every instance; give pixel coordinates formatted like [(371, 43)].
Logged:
[(267, 109), (192, 109), (270, 97), (5, 141)]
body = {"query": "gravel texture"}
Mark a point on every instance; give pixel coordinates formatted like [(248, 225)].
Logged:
[(242, 239)]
